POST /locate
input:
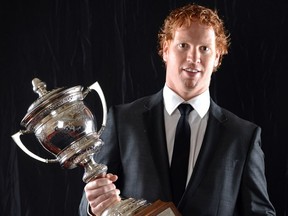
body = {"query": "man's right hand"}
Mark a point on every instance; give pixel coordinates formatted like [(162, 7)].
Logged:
[(102, 193)]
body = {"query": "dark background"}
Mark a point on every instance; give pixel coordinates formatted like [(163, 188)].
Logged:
[(79, 42)]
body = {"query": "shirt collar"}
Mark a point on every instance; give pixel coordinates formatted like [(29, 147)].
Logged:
[(200, 103)]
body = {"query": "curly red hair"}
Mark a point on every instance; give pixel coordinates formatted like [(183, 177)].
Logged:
[(183, 16)]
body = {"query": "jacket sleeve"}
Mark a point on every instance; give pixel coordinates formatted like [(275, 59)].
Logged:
[(254, 194)]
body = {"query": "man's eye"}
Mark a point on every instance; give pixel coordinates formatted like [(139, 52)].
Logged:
[(205, 48), (182, 45)]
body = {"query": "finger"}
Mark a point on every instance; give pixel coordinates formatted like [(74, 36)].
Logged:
[(112, 177), (104, 201), (111, 195), (96, 183), (92, 194)]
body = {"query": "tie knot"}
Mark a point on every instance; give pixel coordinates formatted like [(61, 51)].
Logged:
[(185, 109)]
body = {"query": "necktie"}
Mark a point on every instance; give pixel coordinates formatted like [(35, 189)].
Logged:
[(180, 158)]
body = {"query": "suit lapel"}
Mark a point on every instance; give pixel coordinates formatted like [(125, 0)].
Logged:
[(216, 118), (154, 122)]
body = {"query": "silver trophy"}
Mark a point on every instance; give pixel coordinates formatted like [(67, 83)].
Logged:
[(65, 127)]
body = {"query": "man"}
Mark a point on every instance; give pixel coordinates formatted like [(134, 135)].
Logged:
[(225, 174)]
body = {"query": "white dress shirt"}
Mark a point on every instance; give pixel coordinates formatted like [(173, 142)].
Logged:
[(198, 119)]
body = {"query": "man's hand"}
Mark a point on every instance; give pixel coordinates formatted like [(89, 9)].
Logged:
[(101, 193)]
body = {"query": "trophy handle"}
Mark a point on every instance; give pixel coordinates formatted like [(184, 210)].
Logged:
[(96, 87), (16, 138)]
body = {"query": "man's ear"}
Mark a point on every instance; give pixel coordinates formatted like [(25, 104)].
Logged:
[(217, 61), (165, 50)]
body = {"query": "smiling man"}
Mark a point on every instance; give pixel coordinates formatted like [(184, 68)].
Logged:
[(225, 173)]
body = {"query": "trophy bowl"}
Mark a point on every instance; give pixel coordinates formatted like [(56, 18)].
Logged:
[(65, 127)]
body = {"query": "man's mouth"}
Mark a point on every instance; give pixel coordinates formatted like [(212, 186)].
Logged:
[(190, 70)]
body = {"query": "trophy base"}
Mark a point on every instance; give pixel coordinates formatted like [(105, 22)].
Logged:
[(131, 206), (159, 208)]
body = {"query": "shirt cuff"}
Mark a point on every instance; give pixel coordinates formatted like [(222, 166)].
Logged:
[(88, 210)]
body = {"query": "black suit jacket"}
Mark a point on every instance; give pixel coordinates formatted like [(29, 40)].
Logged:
[(228, 178)]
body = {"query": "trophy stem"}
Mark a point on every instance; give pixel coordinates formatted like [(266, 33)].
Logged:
[(92, 169)]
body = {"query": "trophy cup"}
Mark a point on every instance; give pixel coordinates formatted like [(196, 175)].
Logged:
[(65, 127)]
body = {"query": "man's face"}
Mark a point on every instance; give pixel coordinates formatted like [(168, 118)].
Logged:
[(190, 58)]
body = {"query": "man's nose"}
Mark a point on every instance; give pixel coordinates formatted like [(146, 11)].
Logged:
[(193, 56)]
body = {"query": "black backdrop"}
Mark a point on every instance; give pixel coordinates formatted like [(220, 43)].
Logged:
[(78, 42)]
